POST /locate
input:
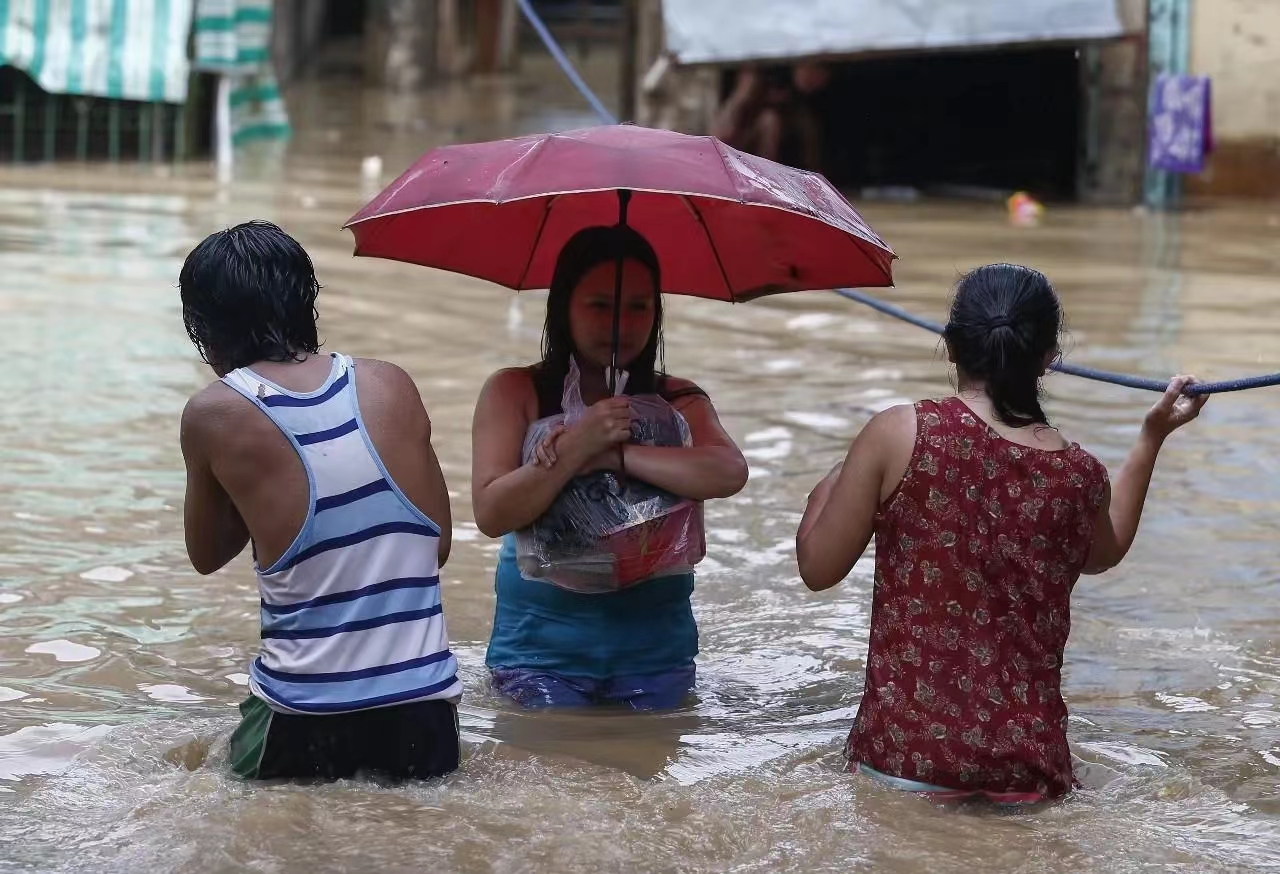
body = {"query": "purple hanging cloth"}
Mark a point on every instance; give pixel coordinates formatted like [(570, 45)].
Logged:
[(1181, 127)]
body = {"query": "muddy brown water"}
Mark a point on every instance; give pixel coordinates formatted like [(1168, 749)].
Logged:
[(120, 668)]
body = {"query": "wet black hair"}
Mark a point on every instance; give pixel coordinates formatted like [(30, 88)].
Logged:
[(248, 295), (585, 250), (1004, 324)]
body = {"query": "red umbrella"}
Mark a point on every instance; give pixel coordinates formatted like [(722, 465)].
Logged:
[(725, 224)]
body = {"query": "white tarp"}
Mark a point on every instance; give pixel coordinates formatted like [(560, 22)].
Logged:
[(726, 31)]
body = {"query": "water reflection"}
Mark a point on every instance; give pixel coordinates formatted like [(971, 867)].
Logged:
[(642, 745)]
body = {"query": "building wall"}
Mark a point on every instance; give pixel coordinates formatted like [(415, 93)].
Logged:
[(1113, 155), (1237, 44)]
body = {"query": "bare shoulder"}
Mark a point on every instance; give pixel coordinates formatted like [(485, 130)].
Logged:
[(210, 412), (684, 392), (392, 376), (390, 384), (387, 393), (895, 425), (213, 403), (890, 439), (510, 383), (681, 385), (507, 404)]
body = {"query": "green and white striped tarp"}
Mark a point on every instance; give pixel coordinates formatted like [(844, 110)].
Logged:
[(122, 49), (233, 37)]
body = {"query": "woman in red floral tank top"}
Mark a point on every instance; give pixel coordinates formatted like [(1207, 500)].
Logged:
[(984, 517)]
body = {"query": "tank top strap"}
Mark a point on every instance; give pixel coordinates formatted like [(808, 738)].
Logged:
[(949, 417), (302, 414), (323, 425), (671, 395), (933, 419)]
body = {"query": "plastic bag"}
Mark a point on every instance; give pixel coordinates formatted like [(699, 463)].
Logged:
[(606, 532)]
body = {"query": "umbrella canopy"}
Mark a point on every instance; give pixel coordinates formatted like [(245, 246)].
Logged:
[(725, 224)]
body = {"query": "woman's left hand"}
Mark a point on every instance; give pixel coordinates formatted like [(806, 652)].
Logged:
[(544, 455)]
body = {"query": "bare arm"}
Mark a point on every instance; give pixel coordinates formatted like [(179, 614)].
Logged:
[(506, 494), (840, 517), (728, 125), (713, 467), (393, 410), (443, 517), (427, 489), (215, 532), (1121, 511)]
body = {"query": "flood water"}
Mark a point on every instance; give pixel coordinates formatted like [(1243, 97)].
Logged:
[(120, 668)]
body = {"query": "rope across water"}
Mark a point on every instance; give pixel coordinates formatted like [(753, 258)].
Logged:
[(1201, 388), (888, 309)]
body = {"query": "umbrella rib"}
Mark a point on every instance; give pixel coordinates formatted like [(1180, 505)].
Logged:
[(697, 214), (546, 213)]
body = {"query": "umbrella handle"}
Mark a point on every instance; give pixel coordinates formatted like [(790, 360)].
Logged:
[(624, 200)]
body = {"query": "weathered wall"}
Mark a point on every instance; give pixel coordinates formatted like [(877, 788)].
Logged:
[(670, 97), (295, 35), (1237, 44), (400, 43), (1114, 124), (497, 36)]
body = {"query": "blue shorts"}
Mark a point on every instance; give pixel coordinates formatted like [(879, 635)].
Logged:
[(533, 688)]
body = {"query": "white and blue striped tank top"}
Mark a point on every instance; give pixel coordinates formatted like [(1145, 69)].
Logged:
[(351, 613)]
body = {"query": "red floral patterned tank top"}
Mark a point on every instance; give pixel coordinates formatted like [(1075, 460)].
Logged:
[(977, 551)]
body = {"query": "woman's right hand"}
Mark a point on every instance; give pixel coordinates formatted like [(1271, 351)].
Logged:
[(605, 425), (1174, 409)]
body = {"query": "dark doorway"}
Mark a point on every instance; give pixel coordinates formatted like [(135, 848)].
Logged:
[(345, 18), (998, 120)]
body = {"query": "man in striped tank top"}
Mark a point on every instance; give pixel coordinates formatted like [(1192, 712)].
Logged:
[(325, 465)]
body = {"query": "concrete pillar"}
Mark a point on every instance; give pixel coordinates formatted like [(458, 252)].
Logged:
[(1113, 88), (1113, 154), (497, 29), (1168, 51)]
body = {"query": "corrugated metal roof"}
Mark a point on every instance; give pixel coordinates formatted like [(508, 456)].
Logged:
[(719, 31)]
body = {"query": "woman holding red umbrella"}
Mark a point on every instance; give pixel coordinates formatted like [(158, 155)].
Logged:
[(552, 646), (592, 214)]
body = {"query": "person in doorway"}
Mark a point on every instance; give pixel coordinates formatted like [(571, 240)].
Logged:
[(984, 516), (555, 647), (772, 113), (810, 103), (324, 463)]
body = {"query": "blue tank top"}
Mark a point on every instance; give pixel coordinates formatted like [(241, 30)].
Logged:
[(646, 629)]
